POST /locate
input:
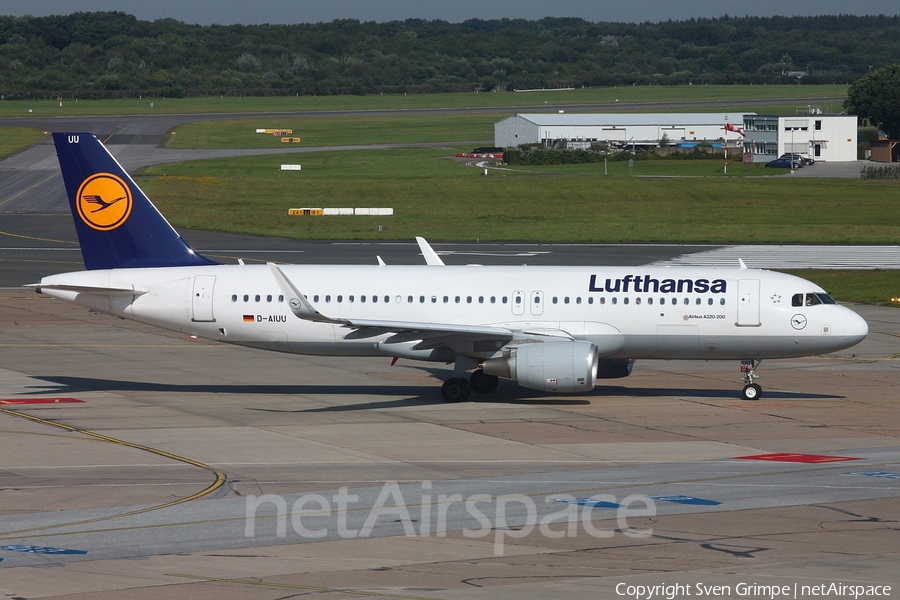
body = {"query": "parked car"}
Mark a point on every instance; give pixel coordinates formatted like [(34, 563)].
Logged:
[(803, 159), (783, 163)]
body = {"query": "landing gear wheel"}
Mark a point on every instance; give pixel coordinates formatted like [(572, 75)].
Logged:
[(752, 391), (483, 384), (455, 389)]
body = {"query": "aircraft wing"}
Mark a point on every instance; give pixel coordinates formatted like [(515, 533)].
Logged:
[(456, 336)]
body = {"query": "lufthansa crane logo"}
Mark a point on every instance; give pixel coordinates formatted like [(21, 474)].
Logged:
[(103, 201)]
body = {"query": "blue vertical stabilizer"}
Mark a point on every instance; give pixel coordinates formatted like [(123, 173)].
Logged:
[(117, 225)]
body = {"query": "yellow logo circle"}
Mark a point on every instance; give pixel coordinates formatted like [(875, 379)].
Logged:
[(103, 201)]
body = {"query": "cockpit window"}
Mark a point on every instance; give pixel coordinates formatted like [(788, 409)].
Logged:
[(811, 299)]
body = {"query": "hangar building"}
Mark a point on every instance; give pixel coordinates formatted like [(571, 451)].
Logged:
[(573, 130)]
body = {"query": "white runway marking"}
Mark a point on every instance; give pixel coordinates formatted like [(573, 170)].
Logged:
[(794, 257)]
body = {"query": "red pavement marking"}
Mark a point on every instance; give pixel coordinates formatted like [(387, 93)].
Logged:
[(798, 458), (40, 401)]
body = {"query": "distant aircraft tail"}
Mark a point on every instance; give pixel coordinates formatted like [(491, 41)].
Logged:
[(117, 225)]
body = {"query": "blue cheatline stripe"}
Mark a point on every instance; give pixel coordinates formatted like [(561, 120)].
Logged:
[(679, 499), (882, 474), (40, 550), (588, 502)]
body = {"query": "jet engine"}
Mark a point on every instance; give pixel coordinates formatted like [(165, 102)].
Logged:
[(563, 367)]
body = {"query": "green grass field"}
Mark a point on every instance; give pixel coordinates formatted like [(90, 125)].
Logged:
[(231, 104), (438, 198), (865, 287), (16, 139)]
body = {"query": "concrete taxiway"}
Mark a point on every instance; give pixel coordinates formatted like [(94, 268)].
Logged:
[(135, 478)]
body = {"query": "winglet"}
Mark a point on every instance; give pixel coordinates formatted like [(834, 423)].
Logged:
[(300, 306), (743, 265), (431, 257)]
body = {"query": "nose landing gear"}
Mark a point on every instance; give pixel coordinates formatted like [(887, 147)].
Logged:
[(751, 391)]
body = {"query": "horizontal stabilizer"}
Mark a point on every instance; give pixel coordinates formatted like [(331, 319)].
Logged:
[(87, 289)]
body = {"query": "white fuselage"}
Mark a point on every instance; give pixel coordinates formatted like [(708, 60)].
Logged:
[(629, 312)]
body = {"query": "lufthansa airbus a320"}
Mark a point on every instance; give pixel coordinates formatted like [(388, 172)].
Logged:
[(553, 329)]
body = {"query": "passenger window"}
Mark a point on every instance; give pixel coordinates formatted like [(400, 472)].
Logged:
[(687, 301), (578, 300), (280, 298), (566, 300), (709, 302), (408, 299), (446, 299), (650, 300), (493, 299), (456, 299), (328, 298), (269, 298), (591, 300), (421, 299), (537, 299), (246, 298), (257, 298), (722, 301), (468, 299), (374, 298), (434, 299), (555, 300), (699, 301), (340, 298), (625, 300), (234, 297), (387, 299), (637, 300), (602, 299), (315, 298), (662, 300), (615, 300), (350, 298), (480, 299), (504, 299), (518, 300)]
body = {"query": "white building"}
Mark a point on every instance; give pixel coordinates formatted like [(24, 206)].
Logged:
[(623, 129), (830, 138)]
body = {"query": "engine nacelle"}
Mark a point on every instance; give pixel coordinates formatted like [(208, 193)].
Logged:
[(564, 367), (614, 368)]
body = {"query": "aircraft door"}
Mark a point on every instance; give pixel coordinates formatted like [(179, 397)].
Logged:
[(748, 303), (537, 302), (202, 299), (518, 302)]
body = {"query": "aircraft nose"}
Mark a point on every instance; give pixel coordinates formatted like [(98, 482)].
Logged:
[(855, 327)]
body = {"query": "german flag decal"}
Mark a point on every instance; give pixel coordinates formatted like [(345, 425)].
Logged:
[(249, 318)]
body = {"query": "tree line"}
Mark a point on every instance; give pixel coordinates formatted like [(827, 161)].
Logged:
[(103, 54)]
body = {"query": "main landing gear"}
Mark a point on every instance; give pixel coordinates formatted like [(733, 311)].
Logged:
[(752, 391), (456, 389)]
